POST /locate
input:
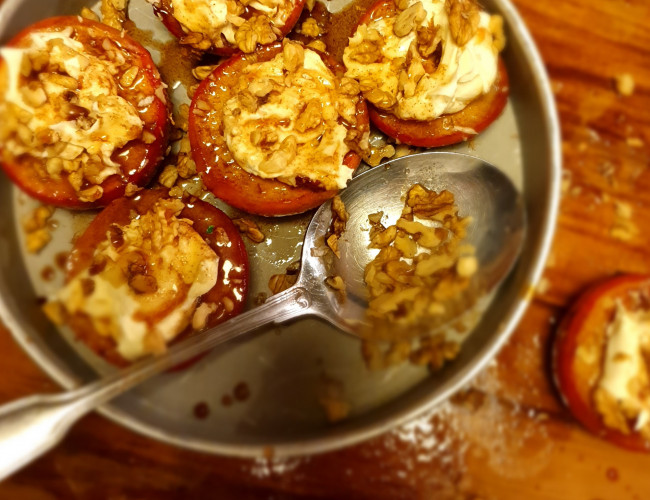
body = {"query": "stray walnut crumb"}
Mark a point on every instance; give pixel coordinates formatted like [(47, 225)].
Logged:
[(37, 232), (332, 399), (380, 356), (168, 176), (86, 13), (623, 209), (310, 28), (333, 244), (634, 142), (260, 298), (250, 229), (202, 72), (337, 284), (624, 84), (176, 192), (376, 154), (340, 216), (281, 282), (114, 13), (317, 45), (131, 189), (435, 351), (55, 312)]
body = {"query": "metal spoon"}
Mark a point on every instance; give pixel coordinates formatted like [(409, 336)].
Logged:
[(31, 426)]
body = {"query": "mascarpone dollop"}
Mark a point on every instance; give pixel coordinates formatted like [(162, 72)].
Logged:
[(623, 391), (404, 69), (291, 120), (109, 120), (145, 281)]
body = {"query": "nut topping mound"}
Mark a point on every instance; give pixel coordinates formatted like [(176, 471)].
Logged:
[(422, 268), (81, 105), (144, 281), (220, 24), (422, 59), (293, 120)]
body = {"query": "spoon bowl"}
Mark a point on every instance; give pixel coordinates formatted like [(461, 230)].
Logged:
[(482, 192), (31, 426)]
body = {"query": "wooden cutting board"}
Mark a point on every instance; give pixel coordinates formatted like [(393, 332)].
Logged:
[(508, 437)]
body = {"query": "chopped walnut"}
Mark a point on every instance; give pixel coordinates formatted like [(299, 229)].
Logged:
[(464, 17), (114, 12), (349, 86), (129, 76), (407, 20), (202, 72), (376, 154), (380, 98), (331, 398), (634, 142), (281, 282), (428, 40), (86, 13), (310, 28), (131, 189), (197, 41), (37, 232), (435, 351), (310, 117), (168, 176), (201, 315), (421, 273), (317, 45), (257, 29), (625, 84), (250, 229), (294, 55), (55, 312)]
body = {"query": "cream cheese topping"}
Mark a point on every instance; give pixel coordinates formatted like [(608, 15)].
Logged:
[(179, 265), (110, 121), (259, 138), (463, 74), (204, 16), (222, 17), (625, 375)]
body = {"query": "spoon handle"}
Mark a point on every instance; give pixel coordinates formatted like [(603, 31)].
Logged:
[(31, 426)]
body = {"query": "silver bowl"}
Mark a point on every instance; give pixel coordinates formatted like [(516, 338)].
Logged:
[(284, 368)]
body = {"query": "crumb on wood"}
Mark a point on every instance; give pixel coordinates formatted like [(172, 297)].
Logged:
[(634, 142), (543, 286), (624, 84)]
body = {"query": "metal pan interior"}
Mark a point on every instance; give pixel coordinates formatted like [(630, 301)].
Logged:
[(283, 367)]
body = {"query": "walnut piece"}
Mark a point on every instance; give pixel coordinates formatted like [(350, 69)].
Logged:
[(250, 229), (114, 13), (408, 19), (464, 17), (281, 282), (202, 72), (624, 84), (310, 28), (37, 232), (257, 29)]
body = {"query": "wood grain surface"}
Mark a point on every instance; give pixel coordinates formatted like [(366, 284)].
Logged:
[(508, 437)]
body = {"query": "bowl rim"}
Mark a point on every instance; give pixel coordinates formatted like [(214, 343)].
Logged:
[(349, 437)]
